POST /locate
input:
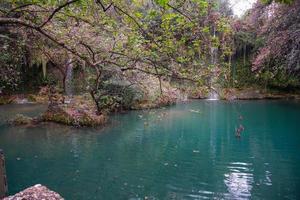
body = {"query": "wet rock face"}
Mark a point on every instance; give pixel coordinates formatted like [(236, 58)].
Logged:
[(36, 192)]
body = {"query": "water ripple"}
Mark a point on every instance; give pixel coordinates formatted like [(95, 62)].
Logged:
[(239, 180)]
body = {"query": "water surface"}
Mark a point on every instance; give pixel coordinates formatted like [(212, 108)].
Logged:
[(187, 151)]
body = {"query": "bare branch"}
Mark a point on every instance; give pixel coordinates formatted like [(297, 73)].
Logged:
[(90, 50), (19, 7), (102, 5), (57, 10), (7, 21), (180, 12)]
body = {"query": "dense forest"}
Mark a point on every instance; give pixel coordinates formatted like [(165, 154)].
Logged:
[(123, 51)]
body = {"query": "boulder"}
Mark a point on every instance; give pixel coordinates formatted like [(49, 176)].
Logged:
[(36, 192)]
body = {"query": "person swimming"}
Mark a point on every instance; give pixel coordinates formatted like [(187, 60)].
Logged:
[(241, 127), (239, 130)]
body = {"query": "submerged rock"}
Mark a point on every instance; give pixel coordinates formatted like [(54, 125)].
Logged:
[(24, 120), (36, 192), (21, 120)]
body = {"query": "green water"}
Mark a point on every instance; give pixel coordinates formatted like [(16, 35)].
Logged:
[(171, 153)]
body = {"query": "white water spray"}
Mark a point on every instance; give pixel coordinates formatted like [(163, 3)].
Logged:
[(213, 95), (69, 78)]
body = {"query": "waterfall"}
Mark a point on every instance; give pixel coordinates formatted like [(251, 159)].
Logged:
[(69, 79), (213, 50), (213, 94)]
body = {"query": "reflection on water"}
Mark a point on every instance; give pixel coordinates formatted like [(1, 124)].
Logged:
[(239, 180), (268, 180), (9, 111), (188, 151), (75, 147)]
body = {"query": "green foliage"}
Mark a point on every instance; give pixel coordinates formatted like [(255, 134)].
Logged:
[(278, 1), (177, 38), (162, 3), (176, 41), (11, 60), (278, 79), (242, 76)]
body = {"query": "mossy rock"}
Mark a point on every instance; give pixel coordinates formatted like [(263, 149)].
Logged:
[(21, 120), (198, 93), (31, 98), (6, 100), (58, 117), (73, 117), (92, 120), (157, 103)]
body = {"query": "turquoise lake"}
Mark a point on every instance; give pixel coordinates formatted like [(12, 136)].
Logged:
[(186, 151)]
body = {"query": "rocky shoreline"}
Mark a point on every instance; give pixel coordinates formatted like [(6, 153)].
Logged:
[(255, 94), (80, 111)]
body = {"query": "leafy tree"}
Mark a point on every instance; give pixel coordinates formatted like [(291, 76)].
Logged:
[(165, 38)]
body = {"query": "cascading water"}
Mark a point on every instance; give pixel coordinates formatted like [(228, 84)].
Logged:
[(213, 94), (69, 82)]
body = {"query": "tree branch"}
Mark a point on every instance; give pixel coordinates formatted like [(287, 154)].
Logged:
[(102, 5), (57, 10), (19, 7), (8, 21), (180, 12), (90, 50)]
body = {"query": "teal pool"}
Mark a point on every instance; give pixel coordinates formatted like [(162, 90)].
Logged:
[(187, 151)]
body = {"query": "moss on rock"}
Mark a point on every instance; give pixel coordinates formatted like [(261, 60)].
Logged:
[(20, 119), (157, 103), (253, 94), (37, 98), (72, 116), (6, 100)]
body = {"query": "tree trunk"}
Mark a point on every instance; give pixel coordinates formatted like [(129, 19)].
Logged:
[(64, 83), (92, 93), (245, 51), (160, 86), (3, 183), (230, 71)]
